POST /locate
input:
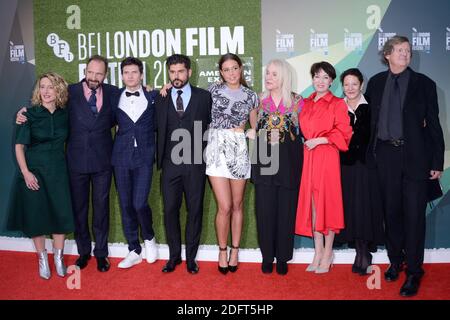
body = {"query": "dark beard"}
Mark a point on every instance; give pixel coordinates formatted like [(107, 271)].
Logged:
[(183, 83), (93, 85)]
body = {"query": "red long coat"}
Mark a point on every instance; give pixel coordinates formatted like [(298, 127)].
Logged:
[(321, 175)]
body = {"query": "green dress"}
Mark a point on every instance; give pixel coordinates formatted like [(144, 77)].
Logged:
[(48, 210)]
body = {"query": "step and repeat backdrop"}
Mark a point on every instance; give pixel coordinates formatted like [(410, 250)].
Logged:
[(43, 35)]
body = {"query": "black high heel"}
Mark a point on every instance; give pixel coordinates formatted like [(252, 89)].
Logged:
[(222, 270), (230, 267)]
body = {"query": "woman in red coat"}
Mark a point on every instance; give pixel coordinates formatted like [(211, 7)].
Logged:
[(325, 124)]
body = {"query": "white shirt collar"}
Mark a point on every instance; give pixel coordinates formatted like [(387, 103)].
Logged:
[(362, 100)]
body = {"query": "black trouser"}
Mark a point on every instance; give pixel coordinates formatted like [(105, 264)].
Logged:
[(404, 204), (80, 185), (276, 209), (176, 180)]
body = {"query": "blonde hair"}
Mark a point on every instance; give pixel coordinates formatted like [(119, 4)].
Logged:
[(284, 70), (58, 83)]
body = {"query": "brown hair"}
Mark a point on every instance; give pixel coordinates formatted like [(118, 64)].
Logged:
[(232, 56), (58, 83), (325, 66), (389, 47)]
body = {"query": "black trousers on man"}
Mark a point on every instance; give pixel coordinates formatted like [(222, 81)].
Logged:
[(178, 180), (80, 186), (404, 201)]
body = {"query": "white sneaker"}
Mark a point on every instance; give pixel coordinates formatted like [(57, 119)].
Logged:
[(151, 251), (130, 260)]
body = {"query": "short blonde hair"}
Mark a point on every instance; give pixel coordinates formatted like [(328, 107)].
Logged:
[(60, 85)]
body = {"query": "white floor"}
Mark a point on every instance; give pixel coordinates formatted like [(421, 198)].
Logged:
[(210, 252)]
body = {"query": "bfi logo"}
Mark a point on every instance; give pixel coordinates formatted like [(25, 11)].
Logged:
[(284, 42), (16, 52), (61, 48), (318, 42), (421, 41)]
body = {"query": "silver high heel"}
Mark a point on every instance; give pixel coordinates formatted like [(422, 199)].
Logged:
[(44, 268), (311, 267), (326, 269), (58, 257)]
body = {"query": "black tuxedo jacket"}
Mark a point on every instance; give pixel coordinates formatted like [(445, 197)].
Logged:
[(200, 103), (422, 132)]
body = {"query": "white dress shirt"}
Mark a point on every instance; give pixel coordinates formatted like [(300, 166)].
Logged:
[(133, 106)]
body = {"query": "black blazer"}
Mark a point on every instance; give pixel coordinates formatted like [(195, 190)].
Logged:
[(90, 142), (201, 103), (422, 132), (361, 134)]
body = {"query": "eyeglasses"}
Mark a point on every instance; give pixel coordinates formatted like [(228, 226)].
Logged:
[(228, 70)]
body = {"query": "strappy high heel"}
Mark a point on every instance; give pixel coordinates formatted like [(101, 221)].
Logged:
[(222, 270), (230, 267)]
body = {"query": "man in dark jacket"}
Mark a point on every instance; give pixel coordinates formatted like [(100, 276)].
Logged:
[(407, 147)]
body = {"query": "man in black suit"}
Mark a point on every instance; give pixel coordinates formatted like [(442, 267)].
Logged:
[(182, 118), (407, 147), (89, 149)]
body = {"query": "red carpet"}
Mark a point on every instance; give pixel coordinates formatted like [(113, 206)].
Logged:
[(19, 279)]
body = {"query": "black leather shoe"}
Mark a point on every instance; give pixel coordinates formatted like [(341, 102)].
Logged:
[(102, 264), (83, 260), (267, 267), (282, 268), (171, 265), (393, 272), (411, 286), (192, 267)]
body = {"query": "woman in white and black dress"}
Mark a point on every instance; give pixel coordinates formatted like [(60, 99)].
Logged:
[(226, 155), (362, 206)]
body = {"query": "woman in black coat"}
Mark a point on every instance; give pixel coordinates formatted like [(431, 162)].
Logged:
[(362, 205)]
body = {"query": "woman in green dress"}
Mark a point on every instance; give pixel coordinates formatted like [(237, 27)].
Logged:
[(41, 202)]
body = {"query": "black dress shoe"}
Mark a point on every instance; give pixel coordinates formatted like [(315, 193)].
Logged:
[(171, 265), (102, 264), (282, 268), (267, 267), (83, 260), (192, 267), (411, 286), (393, 272)]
